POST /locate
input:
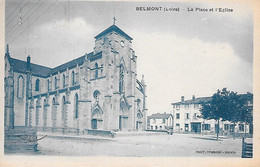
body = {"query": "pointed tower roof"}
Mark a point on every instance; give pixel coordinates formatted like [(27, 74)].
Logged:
[(7, 53), (7, 48), (115, 29)]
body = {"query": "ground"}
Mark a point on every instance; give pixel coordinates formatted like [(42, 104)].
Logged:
[(141, 145)]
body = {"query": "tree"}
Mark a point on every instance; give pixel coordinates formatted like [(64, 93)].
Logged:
[(235, 106), (228, 106), (239, 109), (217, 107), (246, 112)]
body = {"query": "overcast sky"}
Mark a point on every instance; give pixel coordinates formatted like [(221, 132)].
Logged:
[(180, 53)]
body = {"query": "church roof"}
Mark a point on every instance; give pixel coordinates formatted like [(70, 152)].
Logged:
[(69, 64), (43, 71), (160, 116), (116, 29), (20, 66)]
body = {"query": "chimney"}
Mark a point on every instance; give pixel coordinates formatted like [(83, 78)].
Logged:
[(28, 63), (182, 98), (193, 97)]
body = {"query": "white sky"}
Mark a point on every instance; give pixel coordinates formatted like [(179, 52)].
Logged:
[(180, 53)]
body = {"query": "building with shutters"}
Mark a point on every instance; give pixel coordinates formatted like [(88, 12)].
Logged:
[(160, 122), (187, 118)]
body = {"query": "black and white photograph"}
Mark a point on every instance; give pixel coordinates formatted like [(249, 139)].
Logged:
[(128, 79)]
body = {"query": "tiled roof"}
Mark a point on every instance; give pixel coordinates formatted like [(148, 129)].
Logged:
[(195, 101), (116, 29), (93, 57), (207, 99), (20, 66), (42, 71), (68, 64), (160, 116)]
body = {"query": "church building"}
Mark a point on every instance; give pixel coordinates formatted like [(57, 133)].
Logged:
[(98, 90)]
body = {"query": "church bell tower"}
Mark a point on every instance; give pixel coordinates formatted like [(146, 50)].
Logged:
[(119, 65)]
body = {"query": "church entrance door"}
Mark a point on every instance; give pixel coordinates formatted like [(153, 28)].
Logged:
[(94, 124), (138, 125), (123, 122)]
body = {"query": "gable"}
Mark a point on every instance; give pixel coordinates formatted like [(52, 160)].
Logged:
[(113, 28), (96, 110)]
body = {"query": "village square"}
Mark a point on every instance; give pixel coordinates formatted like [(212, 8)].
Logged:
[(97, 103)]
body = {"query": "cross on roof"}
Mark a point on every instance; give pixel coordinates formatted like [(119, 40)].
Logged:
[(114, 18)]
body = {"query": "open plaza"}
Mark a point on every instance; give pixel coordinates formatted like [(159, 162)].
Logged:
[(139, 144), (122, 81)]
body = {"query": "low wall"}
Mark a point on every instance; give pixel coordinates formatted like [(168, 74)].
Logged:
[(20, 140), (162, 131), (59, 130), (104, 133)]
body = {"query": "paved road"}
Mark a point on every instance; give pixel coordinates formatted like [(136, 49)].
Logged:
[(143, 146)]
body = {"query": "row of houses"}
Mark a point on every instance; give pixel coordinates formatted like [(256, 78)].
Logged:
[(186, 118)]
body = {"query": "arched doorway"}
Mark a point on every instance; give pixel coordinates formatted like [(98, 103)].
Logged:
[(97, 118), (139, 122), (123, 118)]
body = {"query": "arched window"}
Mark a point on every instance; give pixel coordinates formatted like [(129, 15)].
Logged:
[(20, 87), (64, 81), (38, 102), (76, 106), (5, 84), (53, 115), (56, 82), (96, 70), (121, 78), (139, 115), (45, 112), (45, 102), (49, 84), (96, 95), (37, 85), (37, 112), (138, 102), (63, 111), (72, 78)]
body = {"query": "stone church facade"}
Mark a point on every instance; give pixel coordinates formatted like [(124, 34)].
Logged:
[(98, 90)]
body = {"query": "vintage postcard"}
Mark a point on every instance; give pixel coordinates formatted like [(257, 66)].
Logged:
[(128, 81)]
